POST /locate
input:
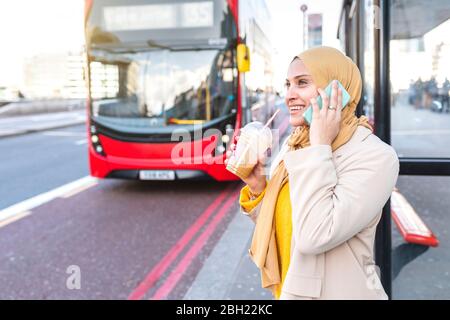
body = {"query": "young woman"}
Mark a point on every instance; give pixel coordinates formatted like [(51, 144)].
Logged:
[(316, 216)]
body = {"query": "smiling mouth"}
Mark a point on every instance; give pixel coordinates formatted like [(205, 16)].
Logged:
[(296, 108)]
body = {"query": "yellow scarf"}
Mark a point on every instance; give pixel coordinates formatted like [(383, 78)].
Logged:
[(325, 64)]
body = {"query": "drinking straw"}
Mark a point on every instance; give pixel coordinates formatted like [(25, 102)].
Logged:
[(271, 118)]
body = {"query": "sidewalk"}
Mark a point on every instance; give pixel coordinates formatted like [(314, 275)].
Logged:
[(12, 126), (29, 107)]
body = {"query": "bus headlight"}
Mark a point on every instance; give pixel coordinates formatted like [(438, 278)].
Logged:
[(95, 140), (225, 139), (224, 142)]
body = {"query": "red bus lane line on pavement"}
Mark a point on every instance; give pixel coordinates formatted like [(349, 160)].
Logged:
[(193, 252), (155, 274)]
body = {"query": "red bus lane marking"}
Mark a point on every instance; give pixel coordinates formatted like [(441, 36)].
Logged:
[(172, 254), (193, 252)]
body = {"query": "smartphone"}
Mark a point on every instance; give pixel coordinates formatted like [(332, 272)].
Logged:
[(345, 100)]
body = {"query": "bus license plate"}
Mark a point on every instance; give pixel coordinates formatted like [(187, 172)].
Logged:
[(157, 175)]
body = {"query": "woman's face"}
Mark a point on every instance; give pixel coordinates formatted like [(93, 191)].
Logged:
[(300, 88)]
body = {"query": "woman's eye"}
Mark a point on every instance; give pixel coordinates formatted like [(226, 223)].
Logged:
[(298, 83)]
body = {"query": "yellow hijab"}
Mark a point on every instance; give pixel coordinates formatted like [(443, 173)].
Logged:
[(325, 64)]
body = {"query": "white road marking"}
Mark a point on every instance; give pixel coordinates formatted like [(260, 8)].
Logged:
[(80, 188), (24, 208), (63, 133), (80, 142), (18, 216), (58, 116)]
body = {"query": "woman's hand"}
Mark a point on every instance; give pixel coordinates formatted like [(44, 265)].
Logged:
[(326, 122), (256, 181)]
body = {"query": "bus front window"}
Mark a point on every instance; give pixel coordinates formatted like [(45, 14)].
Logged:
[(163, 87)]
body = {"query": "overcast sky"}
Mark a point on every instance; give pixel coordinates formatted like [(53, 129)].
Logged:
[(28, 27)]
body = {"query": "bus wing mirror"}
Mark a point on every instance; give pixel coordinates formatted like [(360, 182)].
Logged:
[(243, 58)]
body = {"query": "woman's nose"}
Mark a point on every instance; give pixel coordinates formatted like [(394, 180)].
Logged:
[(291, 93)]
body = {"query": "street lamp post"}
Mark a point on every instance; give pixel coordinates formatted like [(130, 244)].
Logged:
[(304, 8)]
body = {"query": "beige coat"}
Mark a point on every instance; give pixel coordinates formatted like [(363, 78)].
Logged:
[(337, 200)]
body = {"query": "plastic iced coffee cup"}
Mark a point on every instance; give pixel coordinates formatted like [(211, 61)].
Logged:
[(254, 140)]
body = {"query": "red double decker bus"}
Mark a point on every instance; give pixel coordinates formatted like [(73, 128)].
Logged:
[(157, 68)]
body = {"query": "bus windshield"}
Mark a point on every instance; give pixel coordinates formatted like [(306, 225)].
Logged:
[(156, 65), (163, 87)]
